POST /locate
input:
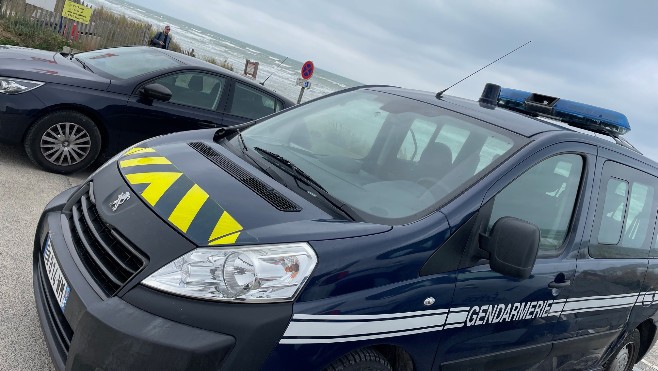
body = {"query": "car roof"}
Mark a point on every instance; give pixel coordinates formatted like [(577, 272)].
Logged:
[(196, 62), (517, 122)]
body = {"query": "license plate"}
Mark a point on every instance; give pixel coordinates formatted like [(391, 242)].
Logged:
[(58, 283)]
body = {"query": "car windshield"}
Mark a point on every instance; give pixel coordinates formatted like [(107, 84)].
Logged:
[(125, 63), (391, 159)]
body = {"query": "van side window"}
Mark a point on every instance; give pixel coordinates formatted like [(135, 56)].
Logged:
[(625, 223), (545, 196), (614, 208)]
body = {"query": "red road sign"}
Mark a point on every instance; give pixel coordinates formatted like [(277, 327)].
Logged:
[(307, 70)]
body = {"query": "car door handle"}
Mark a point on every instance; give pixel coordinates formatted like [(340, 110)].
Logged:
[(207, 124), (559, 285)]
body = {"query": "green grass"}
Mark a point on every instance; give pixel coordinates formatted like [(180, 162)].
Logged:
[(22, 32), (223, 63)]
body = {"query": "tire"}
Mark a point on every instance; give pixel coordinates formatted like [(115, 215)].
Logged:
[(361, 360), (626, 356), (63, 142)]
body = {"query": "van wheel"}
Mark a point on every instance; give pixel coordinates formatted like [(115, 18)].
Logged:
[(361, 360), (63, 142), (626, 357)]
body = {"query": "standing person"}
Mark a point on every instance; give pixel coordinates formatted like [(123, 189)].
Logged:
[(162, 38)]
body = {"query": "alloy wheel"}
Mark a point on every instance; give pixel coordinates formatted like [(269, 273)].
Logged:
[(65, 144)]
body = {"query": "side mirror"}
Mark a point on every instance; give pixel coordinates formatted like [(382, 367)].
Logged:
[(513, 246), (155, 91)]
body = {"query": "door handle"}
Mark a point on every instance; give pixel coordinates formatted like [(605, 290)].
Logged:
[(207, 124), (559, 285)]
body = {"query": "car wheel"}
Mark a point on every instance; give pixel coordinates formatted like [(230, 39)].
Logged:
[(63, 142), (361, 360), (626, 356)]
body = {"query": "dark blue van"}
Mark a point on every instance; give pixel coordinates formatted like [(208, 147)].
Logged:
[(373, 229)]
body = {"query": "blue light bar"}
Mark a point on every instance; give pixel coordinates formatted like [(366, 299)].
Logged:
[(581, 115)]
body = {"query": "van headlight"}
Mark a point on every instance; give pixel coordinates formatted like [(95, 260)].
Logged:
[(10, 85), (267, 273)]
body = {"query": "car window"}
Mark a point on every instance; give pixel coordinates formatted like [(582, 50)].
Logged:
[(194, 89), (545, 196), (252, 103), (625, 223)]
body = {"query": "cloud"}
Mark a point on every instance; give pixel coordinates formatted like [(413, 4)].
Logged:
[(600, 53)]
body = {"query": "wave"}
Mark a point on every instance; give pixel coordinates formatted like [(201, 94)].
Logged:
[(208, 43), (333, 82)]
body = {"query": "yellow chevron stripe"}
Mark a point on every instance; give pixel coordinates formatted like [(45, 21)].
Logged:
[(144, 161), (188, 207), (158, 184), (231, 238), (225, 225), (138, 150)]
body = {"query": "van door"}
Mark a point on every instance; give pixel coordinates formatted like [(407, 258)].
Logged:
[(502, 322), (611, 268)]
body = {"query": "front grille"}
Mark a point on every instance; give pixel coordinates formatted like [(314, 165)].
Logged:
[(107, 256), (55, 320), (259, 187)]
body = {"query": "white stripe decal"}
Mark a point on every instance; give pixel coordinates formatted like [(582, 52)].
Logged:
[(597, 308), (557, 307), (324, 329), (457, 315), (356, 338), (360, 328), (361, 317), (599, 303)]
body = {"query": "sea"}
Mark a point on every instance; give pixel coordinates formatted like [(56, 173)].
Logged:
[(281, 72)]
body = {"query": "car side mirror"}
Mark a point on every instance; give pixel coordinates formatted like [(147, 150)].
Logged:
[(513, 246), (156, 91)]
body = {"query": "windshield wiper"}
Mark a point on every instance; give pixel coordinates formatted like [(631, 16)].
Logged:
[(267, 170), (244, 146), (84, 65), (309, 181), (297, 171), (223, 132)]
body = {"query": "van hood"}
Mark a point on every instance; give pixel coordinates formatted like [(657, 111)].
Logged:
[(214, 197)]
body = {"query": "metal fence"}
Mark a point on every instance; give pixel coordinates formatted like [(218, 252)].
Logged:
[(105, 29)]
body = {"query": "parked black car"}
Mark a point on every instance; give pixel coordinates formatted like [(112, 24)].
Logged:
[(67, 110)]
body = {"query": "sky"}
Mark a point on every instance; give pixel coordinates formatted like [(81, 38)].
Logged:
[(599, 52)]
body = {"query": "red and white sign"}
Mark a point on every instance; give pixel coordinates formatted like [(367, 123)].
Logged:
[(307, 70)]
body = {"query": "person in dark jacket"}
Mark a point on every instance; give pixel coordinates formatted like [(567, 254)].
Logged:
[(162, 38)]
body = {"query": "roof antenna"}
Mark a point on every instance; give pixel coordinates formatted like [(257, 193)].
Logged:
[(438, 95), (277, 67)]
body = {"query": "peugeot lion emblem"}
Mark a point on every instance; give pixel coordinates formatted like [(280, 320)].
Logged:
[(123, 197)]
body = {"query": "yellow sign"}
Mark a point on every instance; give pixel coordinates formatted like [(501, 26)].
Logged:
[(76, 12)]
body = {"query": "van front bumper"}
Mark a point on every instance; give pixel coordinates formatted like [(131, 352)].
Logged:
[(143, 328)]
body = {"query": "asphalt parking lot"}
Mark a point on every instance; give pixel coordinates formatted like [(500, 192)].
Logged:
[(24, 191)]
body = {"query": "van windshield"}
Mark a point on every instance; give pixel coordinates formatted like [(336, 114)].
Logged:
[(390, 158)]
